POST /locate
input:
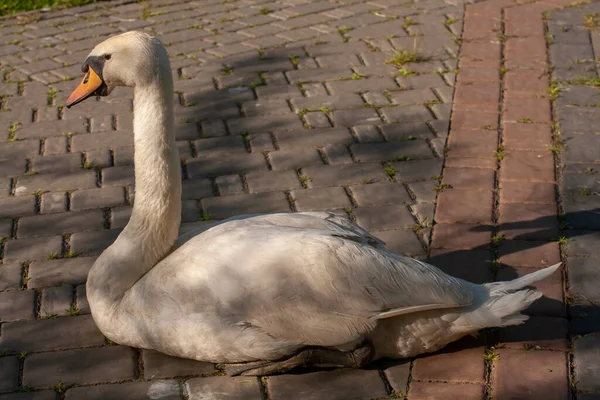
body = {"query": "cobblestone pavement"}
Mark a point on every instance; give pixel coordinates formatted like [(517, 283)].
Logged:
[(314, 105)]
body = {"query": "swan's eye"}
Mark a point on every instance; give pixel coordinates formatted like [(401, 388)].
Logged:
[(107, 56)]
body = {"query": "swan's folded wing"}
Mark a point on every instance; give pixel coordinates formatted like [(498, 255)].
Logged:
[(362, 284)]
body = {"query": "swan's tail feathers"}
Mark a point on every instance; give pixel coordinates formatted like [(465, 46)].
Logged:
[(516, 284), (504, 303)]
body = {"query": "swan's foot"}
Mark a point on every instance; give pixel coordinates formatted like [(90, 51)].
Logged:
[(309, 357)]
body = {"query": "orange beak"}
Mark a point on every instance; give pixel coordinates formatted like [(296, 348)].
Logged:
[(91, 81)]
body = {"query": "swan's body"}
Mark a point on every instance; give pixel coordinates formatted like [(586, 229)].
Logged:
[(260, 287)]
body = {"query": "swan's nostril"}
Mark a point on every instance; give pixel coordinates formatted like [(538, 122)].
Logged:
[(86, 78)]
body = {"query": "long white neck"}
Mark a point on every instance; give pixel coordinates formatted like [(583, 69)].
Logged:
[(156, 215)]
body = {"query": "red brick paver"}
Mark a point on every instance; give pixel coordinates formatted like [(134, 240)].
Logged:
[(503, 70)]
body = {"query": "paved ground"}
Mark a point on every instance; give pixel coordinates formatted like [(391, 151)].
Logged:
[(302, 105)]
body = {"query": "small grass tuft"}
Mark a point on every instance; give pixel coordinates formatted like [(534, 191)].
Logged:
[(553, 90), (294, 60), (450, 21), (88, 165), (402, 58), (60, 387), (24, 389), (494, 266), (70, 254), (404, 72), (430, 103), (401, 158), (503, 38), (326, 110), (390, 171), (590, 171), (408, 21), (357, 76), (22, 355), (53, 256), (491, 355), (595, 82), (585, 192), (557, 148), (73, 311), (500, 153), (304, 179), (525, 121), (488, 128), (440, 187), (12, 131), (51, 96), (563, 240), (50, 316), (591, 21), (421, 225), (344, 29), (206, 217), (265, 11), (497, 240), (367, 181), (226, 70)]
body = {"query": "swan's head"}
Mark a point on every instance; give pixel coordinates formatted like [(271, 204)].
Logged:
[(133, 59)]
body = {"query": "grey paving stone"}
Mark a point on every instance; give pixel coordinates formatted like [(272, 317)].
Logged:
[(158, 365), (587, 357), (228, 206), (9, 366), (579, 148), (268, 181), (367, 134), (16, 305), (79, 366), (229, 184), (584, 277), (582, 242), (11, 276), (313, 138), (334, 385), (93, 242), (17, 206), (402, 241), (56, 300), (406, 131), (335, 175), (391, 151), (417, 170), (389, 217), (237, 388), (317, 199), (407, 113), (33, 248), (168, 390), (565, 55), (51, 224), (106, 197), (53, 202), (51, 334), (581, 211), (398, 376), (578, 96), (81, 300), (38, 395), (218, 166)]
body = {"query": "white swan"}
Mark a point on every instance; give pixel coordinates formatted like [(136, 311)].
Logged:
[(281, 290)]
